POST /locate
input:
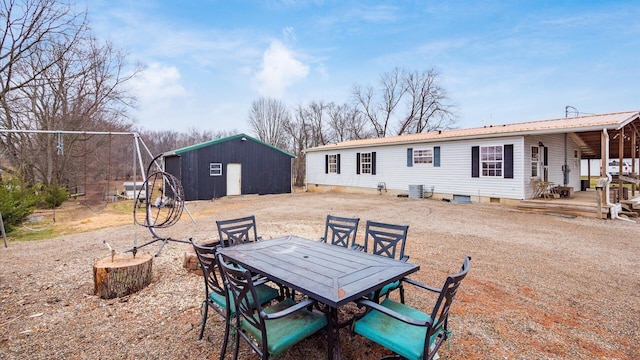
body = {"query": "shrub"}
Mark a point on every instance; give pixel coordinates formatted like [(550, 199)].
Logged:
[(16, 203), (50, 197)]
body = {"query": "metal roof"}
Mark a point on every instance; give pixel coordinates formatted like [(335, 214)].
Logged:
[(217, 141), (578, 124)]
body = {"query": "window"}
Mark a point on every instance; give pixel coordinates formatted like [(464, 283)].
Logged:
[(215, 169), (333, 164), (495, 161), (491, 161), (423, 156), (365, 163), (535, 159)]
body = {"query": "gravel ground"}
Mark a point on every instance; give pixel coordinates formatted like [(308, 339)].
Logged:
[(540, 286)]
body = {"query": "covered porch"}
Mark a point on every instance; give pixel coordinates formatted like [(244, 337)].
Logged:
[(582, 203), (603, 137), (588, 203)]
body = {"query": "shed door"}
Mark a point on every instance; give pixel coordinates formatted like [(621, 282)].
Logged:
[(234, 180)]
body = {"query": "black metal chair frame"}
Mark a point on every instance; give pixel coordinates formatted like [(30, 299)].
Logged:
[(385, 239), (341, 231), (243, 230), (209, 266), (239, 283), (437, 324), (237, 231)]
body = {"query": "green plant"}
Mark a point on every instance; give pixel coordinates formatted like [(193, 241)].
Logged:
[(16, 203), (50, 197)]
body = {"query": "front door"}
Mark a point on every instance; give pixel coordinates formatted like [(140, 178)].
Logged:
[(234, 180)]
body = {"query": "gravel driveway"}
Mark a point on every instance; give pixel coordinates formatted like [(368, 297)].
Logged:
[(540, 286)]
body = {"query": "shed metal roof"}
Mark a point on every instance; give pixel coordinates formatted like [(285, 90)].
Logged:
[(578, 124), (217, 141)]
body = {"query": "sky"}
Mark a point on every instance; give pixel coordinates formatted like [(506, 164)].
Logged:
[(205, 61)]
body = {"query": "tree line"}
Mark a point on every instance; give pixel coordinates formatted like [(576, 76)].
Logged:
[(402, 102), (55, 74)]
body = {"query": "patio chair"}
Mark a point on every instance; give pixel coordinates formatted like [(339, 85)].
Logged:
[(409, 332), (387, 240), (273, 330), (341, 231), (237, 231), (216, 296), (241, 231)]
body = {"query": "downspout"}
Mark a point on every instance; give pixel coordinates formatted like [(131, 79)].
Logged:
[(306, 166), (614, 209), (565, 167)]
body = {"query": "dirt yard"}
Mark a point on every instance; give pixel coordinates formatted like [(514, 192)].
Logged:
[(540, 286)]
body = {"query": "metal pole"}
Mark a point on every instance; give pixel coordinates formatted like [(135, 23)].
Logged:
[(4, 234), (144, 176), (67, 132), (136, 143)]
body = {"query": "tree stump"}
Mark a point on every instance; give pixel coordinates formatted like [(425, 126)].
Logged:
[(121, 275)]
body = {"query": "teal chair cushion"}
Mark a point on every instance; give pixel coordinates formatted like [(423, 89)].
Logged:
[(401, 338), (265, 293), (385, 290), (287, 331), (218, 299)]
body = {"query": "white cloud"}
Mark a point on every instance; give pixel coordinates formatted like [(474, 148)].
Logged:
[(162, 97), (157, 85), (280, 69)]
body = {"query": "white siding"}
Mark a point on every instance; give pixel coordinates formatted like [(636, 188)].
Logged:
[(452, 177), (560, 149)]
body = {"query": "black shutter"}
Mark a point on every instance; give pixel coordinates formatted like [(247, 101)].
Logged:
[(508, 161), (326, 164), (410, 157), (475, 161), (436, 156), (373, 163), (338, 163), (357, 163), (546, 156)]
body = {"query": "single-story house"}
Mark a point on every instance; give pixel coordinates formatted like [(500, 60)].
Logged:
[(233, 165), (493, 163)]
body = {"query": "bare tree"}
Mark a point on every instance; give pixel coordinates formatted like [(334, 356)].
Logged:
[(267, 118), (345, 122), (315, 118), (427, 105), (81, 91), (367, 106), (57, 76), (381, 111), (162, 141), (319, 124), (298, 133), (31, 27)]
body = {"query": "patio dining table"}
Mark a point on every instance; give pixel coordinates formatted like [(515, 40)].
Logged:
[(329, 274)]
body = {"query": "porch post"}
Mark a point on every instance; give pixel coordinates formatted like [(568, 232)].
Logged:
[(604, 158), (634, 143), (620, 164)]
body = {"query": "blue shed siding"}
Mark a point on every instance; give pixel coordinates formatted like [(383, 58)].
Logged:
[(265, 170)]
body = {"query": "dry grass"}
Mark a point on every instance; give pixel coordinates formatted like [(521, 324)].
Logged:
[(540, 287)]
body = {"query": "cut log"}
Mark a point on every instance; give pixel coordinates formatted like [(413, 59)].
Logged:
[(121, 275)]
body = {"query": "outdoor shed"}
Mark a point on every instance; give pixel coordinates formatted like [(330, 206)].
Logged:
[(233, 165)]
